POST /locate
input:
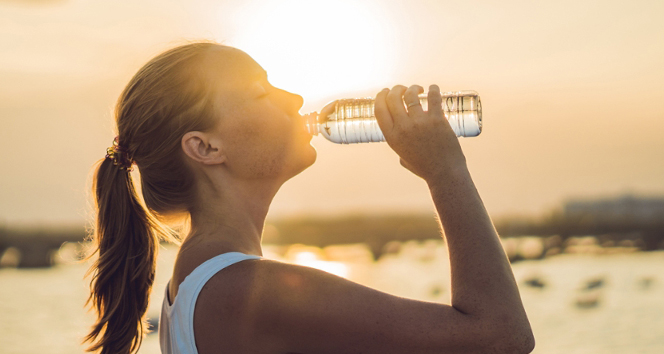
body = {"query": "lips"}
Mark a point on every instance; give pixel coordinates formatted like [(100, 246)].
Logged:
[(300, 121)]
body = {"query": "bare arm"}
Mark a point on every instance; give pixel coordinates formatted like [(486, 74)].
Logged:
[(483, 286), (303, 310)]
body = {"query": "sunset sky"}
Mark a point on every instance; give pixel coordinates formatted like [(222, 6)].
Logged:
[(572, 93)]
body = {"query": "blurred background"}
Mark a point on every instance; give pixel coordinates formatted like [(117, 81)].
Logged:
[(570, 163)]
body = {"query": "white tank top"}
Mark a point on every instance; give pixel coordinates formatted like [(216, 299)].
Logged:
[(176, 323)]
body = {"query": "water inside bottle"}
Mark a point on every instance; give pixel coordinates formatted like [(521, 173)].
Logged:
[(353, 121)]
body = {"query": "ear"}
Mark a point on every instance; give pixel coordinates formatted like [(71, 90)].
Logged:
[(203, 148)]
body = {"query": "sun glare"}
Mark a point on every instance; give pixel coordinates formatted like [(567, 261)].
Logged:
[(343, 47), (310, 256)]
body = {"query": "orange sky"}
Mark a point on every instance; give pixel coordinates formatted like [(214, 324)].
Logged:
[(572, 92)]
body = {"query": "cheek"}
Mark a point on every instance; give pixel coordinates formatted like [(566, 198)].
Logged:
[(264, 157), (257, 148)]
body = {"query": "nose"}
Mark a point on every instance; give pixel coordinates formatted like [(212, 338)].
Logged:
[(297, 100), (291, 101)]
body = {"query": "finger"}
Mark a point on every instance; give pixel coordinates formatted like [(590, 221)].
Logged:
[(412, 100), (382, 113), (435, 101), (395, 104)]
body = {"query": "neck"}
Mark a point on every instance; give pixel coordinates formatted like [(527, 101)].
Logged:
[(233, 214)]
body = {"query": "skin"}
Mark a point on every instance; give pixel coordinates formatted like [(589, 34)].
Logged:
[(264, 306)]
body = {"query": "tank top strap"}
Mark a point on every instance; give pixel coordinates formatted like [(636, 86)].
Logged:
[(182, 308), (194, 282)]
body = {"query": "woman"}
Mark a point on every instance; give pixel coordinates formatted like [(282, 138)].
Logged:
[(214, 141)]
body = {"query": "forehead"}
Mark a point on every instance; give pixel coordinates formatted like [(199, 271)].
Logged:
[(234, 69)]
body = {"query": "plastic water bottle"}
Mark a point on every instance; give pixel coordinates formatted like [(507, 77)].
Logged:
[(353, 120)]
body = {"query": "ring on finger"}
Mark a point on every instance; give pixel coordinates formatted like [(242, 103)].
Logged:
[(413, 104)]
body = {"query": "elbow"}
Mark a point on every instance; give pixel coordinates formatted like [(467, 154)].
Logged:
[(501, 335), (522, 345), (519, 340)]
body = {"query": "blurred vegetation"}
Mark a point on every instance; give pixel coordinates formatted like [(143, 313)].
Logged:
[(637, 220), (627, 222), (373, 230)]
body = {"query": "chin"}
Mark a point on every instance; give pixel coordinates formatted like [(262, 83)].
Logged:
[(307, 158), (310, 158), (314, 154)]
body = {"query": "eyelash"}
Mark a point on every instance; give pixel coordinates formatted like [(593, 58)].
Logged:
[(267, 90)]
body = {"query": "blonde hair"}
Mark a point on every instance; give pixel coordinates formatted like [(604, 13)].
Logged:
[(167, 97)]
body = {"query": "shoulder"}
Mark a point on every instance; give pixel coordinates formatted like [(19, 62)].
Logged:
[(285, 307), (237, 303), (264, 279)]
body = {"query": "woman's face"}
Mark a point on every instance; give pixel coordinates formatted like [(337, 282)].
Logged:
[(261, 129)]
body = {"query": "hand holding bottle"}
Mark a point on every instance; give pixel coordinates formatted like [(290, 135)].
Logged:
[(424, 140)]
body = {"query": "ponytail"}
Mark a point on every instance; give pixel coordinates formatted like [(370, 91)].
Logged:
[(126, 240), (169, 96)]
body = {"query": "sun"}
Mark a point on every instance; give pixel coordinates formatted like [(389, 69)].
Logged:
[(318, 49)]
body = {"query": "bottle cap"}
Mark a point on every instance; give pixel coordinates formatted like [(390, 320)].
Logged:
[(311, 123)]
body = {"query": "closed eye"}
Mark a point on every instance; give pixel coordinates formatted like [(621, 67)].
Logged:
[(267, 88)]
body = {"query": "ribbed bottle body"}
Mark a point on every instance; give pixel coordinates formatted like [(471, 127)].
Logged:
[(353, 120)]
